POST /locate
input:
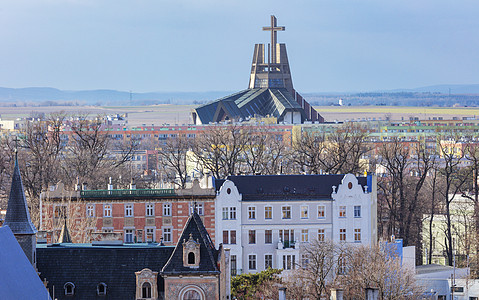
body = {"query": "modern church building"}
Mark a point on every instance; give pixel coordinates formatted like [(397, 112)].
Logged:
[(270, 91)]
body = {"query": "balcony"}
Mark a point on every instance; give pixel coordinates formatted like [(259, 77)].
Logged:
[(127, 193)]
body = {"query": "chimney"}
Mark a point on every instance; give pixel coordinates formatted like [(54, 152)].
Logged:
[(84, 186), (77, 185), (337, 294), (132, 184), (110, 186), (282, 293), (372, 294)]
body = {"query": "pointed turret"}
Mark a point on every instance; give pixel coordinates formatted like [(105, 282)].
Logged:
[(65, 234), (18, 216)]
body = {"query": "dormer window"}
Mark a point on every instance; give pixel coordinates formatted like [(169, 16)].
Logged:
[(191, 253), (146, 284), (69, 289), (191, 258), (101, 289)]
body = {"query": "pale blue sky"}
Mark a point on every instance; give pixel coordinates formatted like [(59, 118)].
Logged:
[(204, 45)]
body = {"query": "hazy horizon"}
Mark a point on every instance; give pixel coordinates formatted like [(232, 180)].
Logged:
[(198, 46)]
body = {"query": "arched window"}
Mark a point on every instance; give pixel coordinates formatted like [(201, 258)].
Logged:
[(192, 295), (146, 290), (191, 258), (69, 288), (101, 289)]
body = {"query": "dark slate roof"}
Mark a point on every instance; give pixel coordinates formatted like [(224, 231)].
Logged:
[(250, 102), (18, 278), (208, 253), (286, 187), (18, 216), (86, 266)]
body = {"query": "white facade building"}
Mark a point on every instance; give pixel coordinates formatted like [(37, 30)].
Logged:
[(266, 220)]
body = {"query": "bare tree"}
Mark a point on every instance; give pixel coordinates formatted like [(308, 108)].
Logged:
[(173, 156)]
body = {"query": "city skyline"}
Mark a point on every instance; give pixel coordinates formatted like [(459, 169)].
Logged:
[(191, 46)]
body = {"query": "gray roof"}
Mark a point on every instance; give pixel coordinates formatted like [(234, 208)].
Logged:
[(65, 234), (87, 265), (248, 103), (208, 252), (18, 278), (18, 216), (286, 187)]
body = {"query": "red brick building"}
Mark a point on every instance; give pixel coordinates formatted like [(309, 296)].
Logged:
[(133, 216)]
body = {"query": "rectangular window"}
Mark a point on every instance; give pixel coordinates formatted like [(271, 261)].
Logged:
[(342, 234), (321, 211), (268, 212), (150, 235), (286, 212), (357, 211), (128, 235), (166, 209), (139, 236), (289, 262), (233, 265), (107, 210), (304, 212), (150, 210), (90, 210), (342, 211), (233, 237), (225, 213), (252, 237), (268, 261), (199, 209), (304, 235), (251, 212), (287, 237), (226, 236), (167, 235), (321, 235), (268, 236), (252, 261), (304, 260), (128, 210), (357, 234), (233, 213)]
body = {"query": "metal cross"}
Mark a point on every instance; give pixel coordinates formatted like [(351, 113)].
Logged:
[(274, 28)]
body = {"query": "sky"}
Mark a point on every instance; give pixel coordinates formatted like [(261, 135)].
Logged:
[(207, 45)]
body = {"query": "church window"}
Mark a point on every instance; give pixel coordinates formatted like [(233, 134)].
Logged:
[(101, 289), (192, 295), (191, 258), (146, 290), (69, 288)]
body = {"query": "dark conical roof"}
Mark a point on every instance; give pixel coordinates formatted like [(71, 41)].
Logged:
[(18, 216), (208, 253), (65, 234)]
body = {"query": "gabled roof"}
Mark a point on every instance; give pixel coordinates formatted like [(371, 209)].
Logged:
[(286, 187), (18, 216), (248, 103), (18, 278), (208, 253)]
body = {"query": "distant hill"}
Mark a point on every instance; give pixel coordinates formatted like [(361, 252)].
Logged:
[(52, 96), (443, 89)]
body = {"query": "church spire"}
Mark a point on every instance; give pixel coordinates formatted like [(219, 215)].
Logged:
[(65, 234), (18, 216)]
